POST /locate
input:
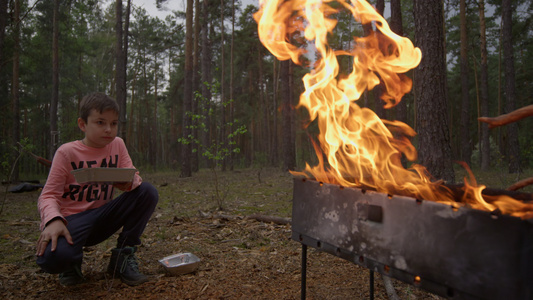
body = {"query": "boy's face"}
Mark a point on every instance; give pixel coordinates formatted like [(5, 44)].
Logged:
[(100, 129)]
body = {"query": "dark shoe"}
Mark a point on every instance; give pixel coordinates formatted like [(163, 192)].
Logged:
[(72, 276), (123, 264)]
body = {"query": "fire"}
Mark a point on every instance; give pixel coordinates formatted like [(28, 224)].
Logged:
[(360, 149)]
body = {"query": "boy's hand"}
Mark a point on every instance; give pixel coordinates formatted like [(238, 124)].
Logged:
[(123, 186), (51, 233)]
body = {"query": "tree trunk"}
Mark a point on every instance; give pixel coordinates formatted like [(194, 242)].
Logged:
[(396, 26), (380, 6), (154, 145), (513, 149), (288, 159), (367, 30), (15, 92), (132, 105), (274, 112), (143, 114), (223, 140), (123, 127), (484, 100), (206, 78), (55, 83), (264, 141), (186, 152), (501, 145), (466, 143), (195, 81), (378, 89), (292, 125), (430, 87), (120, 78), (3, 22), (231, 87)]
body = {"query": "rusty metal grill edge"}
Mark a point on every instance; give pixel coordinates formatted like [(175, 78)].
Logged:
[(455, 253)]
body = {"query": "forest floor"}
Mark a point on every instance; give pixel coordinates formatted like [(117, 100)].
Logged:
[(241, 257)]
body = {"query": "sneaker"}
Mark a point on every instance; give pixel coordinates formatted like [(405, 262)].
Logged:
[(72, 276), (123, 264)]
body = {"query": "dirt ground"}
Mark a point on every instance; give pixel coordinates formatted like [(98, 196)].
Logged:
[(241, 257)]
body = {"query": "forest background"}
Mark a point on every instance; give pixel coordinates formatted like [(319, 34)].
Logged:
[(198, 89)]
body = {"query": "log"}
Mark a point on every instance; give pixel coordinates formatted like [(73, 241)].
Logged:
[(389, 287), (270, 219), (257, 217), (458, 191), (521, 184), (511, 117), (223, 217)]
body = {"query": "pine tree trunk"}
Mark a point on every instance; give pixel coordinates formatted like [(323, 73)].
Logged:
[(263, 141), (195, 81), (120, 79), (154, 145), (380, 6), (292, 141), (206, 78), (55, 83), (132, 105), (15, 92), (378, 89), (484, 101), (186, 152), (466, 143), (231, 87), (430, 86), (3, 22), (513, 149), (274, 111), (288, 161), (367, 30), (223, 135), (125, 34), (396, 26)]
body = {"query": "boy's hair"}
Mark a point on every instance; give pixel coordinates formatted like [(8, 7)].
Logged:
[(99, 101)]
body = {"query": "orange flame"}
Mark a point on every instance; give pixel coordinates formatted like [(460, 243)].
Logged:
[(359, 147)]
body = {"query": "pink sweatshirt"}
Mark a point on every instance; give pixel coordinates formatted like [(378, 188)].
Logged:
[(63, 196)]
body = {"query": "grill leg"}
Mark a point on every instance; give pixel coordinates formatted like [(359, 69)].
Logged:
[(304, 271), (371, 285)]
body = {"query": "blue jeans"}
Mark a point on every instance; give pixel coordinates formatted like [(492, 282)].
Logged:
[(129, 211)]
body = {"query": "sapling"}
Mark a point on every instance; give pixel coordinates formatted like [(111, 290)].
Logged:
[(216, 151)]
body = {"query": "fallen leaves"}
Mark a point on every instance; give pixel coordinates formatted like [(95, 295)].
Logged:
[(241, 257)]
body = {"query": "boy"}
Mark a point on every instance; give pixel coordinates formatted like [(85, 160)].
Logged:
[(74, 215)]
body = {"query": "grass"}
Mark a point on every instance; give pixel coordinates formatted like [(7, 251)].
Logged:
[(243, 193), (496, 178)]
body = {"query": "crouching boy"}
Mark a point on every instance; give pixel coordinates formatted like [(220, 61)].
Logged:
[(74, 215)]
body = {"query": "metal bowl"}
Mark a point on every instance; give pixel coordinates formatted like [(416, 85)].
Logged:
[(181, 263)]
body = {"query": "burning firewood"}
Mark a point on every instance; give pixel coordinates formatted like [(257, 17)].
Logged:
[(521, 184), (43, 161), (526, 111), (511, 117)]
